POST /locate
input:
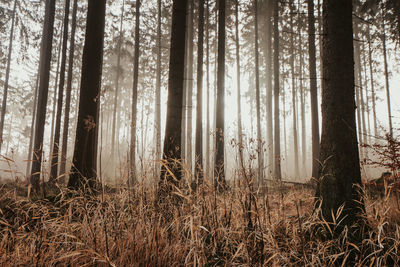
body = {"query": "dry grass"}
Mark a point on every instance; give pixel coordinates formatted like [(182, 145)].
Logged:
[(236, 228)]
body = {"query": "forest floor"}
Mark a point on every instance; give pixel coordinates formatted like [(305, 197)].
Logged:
[(204, 228)]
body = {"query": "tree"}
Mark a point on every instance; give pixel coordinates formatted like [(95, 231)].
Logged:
[(64, 147), (219, 169), (83, 170), (277, 148), (313, 90), (45, 59), (55, 152), (5, 92), (157, 109), (132, 157), (172, 140), (340, 173), (199, 107)]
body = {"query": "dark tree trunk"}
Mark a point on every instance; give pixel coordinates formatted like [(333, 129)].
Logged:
[(64, 148), (260, 174), (340, 173), (157, 108), (132, 156), (208, 154), (277, 149), (83, 170), (219, 170), (45, 61), (189, 87), (199, 107), (268, 53), (5, 92), (313, 90), (55, 153), (172, 140), (238, 100), (294, 110)]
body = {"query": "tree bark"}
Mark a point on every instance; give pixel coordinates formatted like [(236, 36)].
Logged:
[(64, 148), (55, 152), (260, 149), (207, 30), (190, 87), (294, 109), (219, 170), (277, 146), (5, 92), (132, 156), (340, 173), (199, 107), (45, 61), (172, 140), (157, 108), (83, 170), (313, 90)]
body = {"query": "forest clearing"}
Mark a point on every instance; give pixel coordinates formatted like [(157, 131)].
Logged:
[(199, 133)]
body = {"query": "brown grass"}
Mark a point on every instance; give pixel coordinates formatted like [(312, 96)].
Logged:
[(236, 228)]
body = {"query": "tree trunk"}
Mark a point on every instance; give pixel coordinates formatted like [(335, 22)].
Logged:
[(268, 53), (84, 168), (157, 115), (238, 100), (5, 92), (313, 90), (371, 74), (386, 75), (294, 110), (45, 61), (340, 174), (219, 170), (277, 149), (260, 174), (55, 154), (132, 155), (64, 148), (172, 140), (115, 129), (302, 94), (199, 107), (208, 154), (190, 87)]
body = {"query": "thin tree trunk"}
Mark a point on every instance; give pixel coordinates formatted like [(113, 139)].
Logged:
[(32, 131), (208, 154), (268, 53), (294, 109), (45, 61), (277, 149), (64, 148), (132, 156), (302, 94), (238, 99), (313, 90), (5, 92), (83, 170), (190, 87), (371, 74), (172, 140), (386, 76), (157, 115), (55, 154), (260, 174), (219, 170), (115, 130), (199, 107)]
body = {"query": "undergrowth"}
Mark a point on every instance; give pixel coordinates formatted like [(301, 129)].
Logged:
[(239, 227)]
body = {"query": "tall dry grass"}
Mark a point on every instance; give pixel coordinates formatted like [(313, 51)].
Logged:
[(240, 227)]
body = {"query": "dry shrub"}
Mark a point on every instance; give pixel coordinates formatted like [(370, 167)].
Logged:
[(241, 226)]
